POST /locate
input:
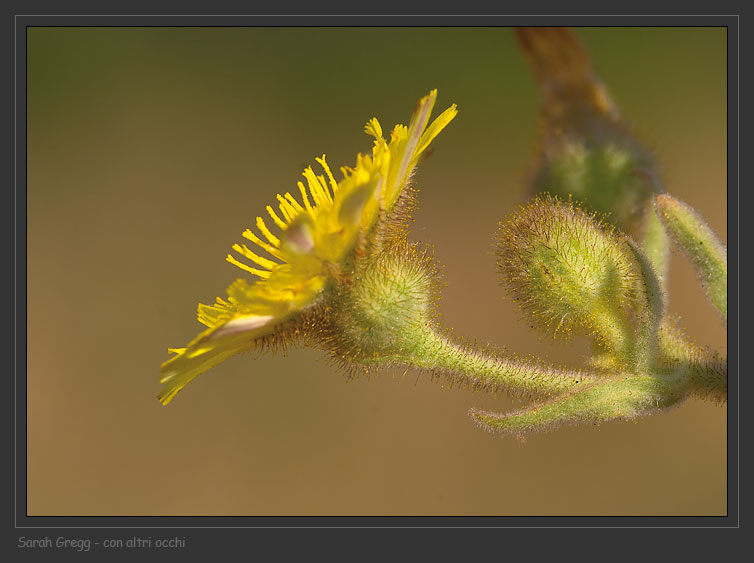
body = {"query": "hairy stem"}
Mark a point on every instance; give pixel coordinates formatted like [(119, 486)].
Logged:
[(656, 247), (705, 370), (700, 244), (650, 313), (625, 397), (486, 369), (612, 330)]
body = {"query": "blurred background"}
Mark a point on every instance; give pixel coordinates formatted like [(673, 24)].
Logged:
[(151, 149)]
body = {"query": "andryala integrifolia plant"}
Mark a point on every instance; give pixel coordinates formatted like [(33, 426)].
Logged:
[(340, 274)]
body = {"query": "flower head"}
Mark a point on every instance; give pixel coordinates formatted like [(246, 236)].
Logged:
[(317, 232)]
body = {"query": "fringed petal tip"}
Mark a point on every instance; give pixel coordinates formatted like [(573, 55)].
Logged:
[(212, 347)]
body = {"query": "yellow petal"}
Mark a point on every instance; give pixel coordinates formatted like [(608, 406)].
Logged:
[(434, 129), (210, 348)]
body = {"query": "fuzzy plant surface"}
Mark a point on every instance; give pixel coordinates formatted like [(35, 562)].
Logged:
[(333, 268)]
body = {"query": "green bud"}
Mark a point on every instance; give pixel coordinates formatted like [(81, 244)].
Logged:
[(566, 269), (600, 174), (384, 307)]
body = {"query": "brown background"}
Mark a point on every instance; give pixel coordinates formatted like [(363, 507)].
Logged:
[(150, 150)]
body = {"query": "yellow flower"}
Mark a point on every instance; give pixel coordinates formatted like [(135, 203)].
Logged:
[(320, 229)]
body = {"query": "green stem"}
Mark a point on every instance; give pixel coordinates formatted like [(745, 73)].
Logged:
[(613, 332), (623, 397), (656, 247), (650, 311), (705, 370), (487, 370), (708, 377), (700, 244)]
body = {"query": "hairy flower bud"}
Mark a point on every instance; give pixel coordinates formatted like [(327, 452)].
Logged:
[(384, 307), (564, 267), (600, 173)]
